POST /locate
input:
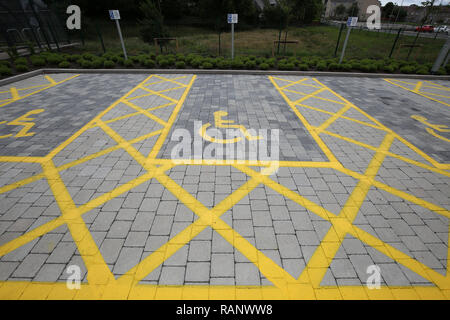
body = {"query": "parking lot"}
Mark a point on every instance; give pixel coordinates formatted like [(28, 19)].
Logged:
[(350, 180)]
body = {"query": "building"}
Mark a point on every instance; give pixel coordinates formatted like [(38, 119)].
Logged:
[(331, 5), (260, 3), (439, 14)]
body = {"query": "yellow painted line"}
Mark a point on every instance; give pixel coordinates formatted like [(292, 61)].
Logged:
[(88, 125), (98, 271), (321, 259), (14, 93), (105, 151), (293, 83), (418, 86), (14, 290), (50, 79), (158, 94), (332, 119), (159, 143), (172, 80), (434, 94), (315, 136), (145, 112), (416, 92), (33, 87), (21, 183), (441, 87), (401, 194), (345, 117), (21, 159), (309, 95), (423, 154), (315, 97), (394, 155), (163, 81), (150, 94), (218, 162), (30, 236), (421, 269), (40, 90)]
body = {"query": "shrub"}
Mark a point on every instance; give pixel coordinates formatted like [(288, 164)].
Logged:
[(149, 63), (250, 64), (54, 58), (237, 64), (97, 63), (128, 63), (64, 64), (86, 64), (120, 61), (21, 61), (447, 68), (88, 56), (5, 63), (303, 66), (109, 64), (207, 65), (407, 69), (133, 59), (180, 57), (197, 62), (180, 65), (422, 70), (164, 63), (334, 66), (264, 66), (388, 68), (224, 64), (74, 57), (346, 67), (441, 72), (5, 71), (321, 66), (271, 62), (37, 61), (22, 68)]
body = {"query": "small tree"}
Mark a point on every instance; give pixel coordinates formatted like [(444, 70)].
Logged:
[(353, 10), (152, 25), (340, 10)]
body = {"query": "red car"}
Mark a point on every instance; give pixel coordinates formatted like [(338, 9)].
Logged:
[(426, 28)]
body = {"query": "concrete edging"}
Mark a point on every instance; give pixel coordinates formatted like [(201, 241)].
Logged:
[(222, 72)]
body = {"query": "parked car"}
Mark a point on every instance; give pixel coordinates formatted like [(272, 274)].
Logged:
[(426, 28), (443, 29)]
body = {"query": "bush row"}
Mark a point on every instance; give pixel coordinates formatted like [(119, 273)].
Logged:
[(180, 61)]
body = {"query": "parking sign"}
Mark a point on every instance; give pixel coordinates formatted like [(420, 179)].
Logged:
[(352, 21), (114, 14), (232, 18)]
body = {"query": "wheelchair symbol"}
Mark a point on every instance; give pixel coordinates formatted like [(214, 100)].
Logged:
[(221, 123)]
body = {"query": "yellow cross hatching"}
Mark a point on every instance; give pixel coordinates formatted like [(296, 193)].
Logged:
[(300, 95), (15, 93), (427, 89)]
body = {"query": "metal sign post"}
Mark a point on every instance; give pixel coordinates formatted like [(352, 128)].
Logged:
[(232, 19), (115, 15), (442, 56), (351, 22)]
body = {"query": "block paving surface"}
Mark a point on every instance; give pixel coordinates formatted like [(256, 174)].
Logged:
[(89, 187)]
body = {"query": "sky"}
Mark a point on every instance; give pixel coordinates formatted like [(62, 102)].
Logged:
[(408, 2)]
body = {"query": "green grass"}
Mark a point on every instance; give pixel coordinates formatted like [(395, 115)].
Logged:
[(313, 41)]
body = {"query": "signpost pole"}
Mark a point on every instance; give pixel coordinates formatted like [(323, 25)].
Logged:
[(115, 15), (121, 39), (232, 41), (345, 45)]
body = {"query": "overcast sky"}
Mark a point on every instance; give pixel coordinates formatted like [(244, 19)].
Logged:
[(408, 2)]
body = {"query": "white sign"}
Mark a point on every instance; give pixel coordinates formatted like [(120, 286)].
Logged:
[(352, 21), (232, 18), (114, 14)]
